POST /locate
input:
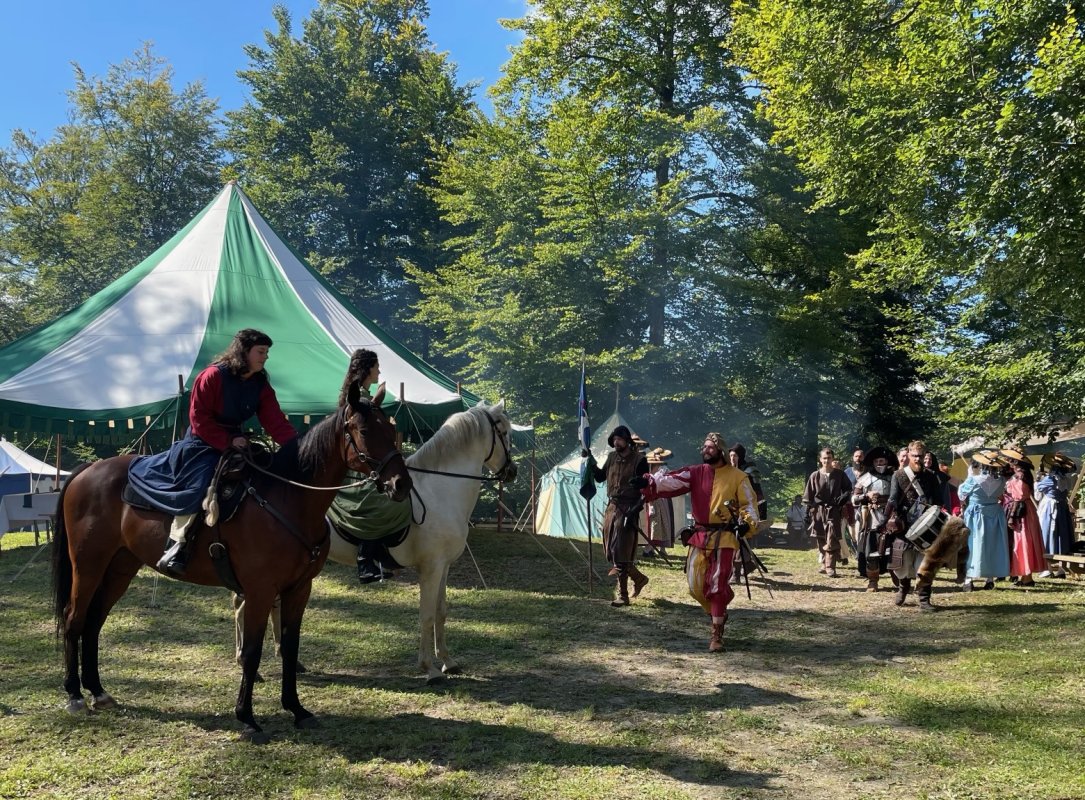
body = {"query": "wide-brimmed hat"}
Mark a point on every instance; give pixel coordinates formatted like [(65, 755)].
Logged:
[(987, 458), (880, 451), (1060, 460), (1014, 456), (622, 431), (659, 455)]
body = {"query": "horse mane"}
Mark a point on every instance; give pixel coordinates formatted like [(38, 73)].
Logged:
[(302, 457), (458, 431)]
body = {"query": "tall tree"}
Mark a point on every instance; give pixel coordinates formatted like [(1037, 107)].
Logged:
[(338, 142), (623, 204), (955, 124), (135, 162)]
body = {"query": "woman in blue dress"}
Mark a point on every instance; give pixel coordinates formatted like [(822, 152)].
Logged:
[(988, 537), (1053, 508)]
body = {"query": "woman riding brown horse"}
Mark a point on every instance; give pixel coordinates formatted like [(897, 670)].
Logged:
[(277, 545)]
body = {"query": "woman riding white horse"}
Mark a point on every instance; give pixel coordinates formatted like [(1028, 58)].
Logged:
[(447, 477), (447, 474)]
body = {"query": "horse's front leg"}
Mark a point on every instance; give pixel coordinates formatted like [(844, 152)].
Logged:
[(257, 608), (450, 667), (429, 584), (292, 609)]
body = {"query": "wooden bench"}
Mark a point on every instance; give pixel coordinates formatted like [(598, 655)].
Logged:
[(1071, 562)]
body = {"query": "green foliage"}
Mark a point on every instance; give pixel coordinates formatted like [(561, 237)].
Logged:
[(623, 207), (135, 162), (955, 126), (337, 144)]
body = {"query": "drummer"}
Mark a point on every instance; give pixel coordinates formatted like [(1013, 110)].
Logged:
[(912, 491)]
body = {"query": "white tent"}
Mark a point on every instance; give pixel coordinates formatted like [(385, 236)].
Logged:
[(21, 473)]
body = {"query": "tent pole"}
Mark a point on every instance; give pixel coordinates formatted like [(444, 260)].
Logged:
[(56, 483), (177, 411), (534, 509)]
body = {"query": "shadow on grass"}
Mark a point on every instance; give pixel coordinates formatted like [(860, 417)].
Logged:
[(473, 745)]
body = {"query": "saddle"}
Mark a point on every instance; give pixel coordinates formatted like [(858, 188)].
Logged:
[(224, 495), (227, 488)]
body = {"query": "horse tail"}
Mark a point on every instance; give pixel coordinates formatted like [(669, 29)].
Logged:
[(62, 561)]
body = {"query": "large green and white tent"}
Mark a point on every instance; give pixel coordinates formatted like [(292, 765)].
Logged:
[(114, 365)]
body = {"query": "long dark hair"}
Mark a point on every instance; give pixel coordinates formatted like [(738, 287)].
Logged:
[(233, 357), (361, 362)]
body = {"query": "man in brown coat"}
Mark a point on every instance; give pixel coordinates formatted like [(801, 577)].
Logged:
[(620, 523)]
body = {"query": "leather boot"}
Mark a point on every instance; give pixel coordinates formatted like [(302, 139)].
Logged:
[(902, 591), (872, 576), (923, 594), (640, 580), (622, 595), (715, 644), (175, 560)]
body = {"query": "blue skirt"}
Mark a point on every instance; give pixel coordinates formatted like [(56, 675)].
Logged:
[(177, 479)]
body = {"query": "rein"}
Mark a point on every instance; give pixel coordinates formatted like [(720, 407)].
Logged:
[(313, 550), (498, 476), (363, 457)]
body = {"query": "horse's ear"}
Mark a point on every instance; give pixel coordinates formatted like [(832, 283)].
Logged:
[(353, 394), (378, 398), (500, 407), (481, 403)]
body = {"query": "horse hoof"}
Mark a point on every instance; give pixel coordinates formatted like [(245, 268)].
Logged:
[(104, 701), (300, 670), (434, 680), (255, 736), (77, 706), (451, 669), (307, 723), (257, 678)]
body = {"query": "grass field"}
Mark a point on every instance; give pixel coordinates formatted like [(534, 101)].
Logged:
[(824, 691)]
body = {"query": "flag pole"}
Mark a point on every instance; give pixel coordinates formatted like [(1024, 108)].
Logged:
[(584, 431)]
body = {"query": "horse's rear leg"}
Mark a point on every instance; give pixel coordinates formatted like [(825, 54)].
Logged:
[(115, 583), (450, 667), (292, 609), (429, 585), (83, 621), (257, 608)]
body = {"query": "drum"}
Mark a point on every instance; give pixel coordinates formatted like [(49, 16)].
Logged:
[(926, 529)]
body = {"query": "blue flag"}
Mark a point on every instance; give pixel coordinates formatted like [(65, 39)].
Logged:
[(585, 428)]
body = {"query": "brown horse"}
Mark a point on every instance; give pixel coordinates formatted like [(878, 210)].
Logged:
[(276, 547)]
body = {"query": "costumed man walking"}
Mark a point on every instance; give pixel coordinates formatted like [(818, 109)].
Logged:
[(620, 522), (724, 507), (224, 396), (912, 491), (828, 490), (869, 497)]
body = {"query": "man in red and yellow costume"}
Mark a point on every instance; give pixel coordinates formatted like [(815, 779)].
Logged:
[(724, 508)]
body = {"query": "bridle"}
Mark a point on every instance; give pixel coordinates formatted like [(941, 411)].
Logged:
[(376, 467), (499, 475), (507, 471)]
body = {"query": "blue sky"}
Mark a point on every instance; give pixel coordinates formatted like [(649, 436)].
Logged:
[(202, 39)]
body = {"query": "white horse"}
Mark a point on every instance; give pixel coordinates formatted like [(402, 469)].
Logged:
[(447, 475)]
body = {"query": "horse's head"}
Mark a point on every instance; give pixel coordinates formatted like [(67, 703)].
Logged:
[(370, 443), (499, 460)]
